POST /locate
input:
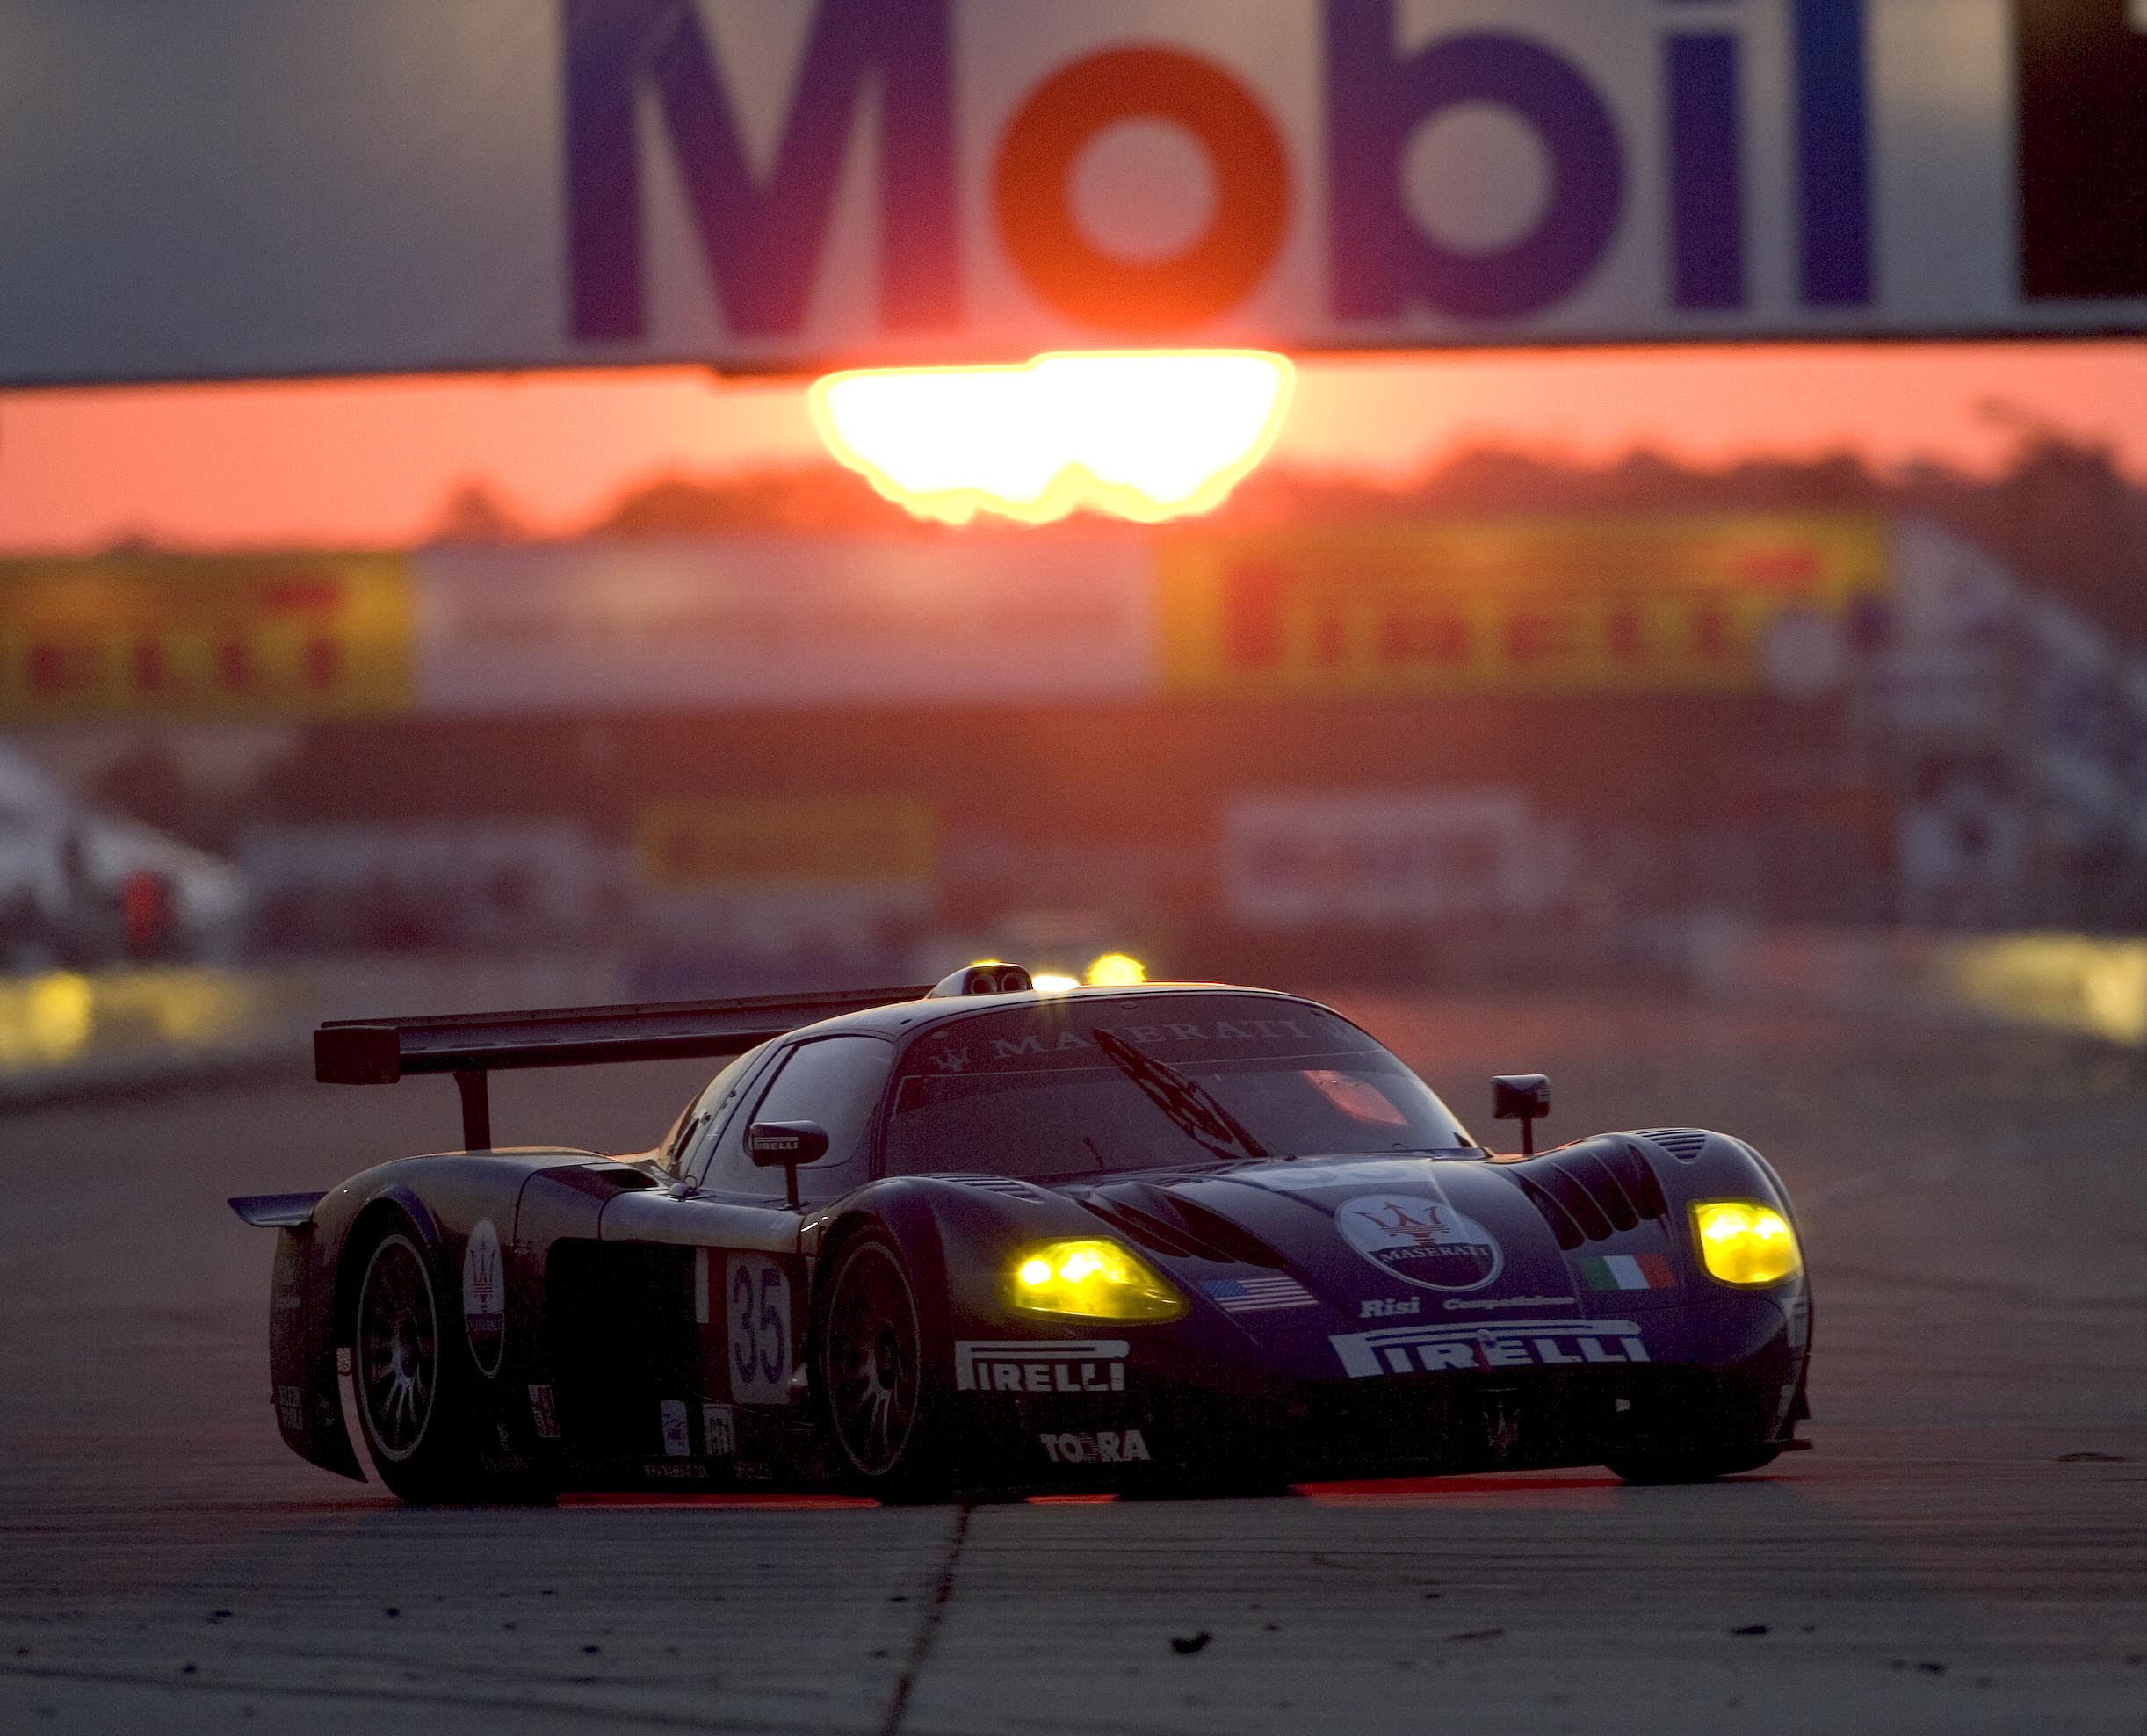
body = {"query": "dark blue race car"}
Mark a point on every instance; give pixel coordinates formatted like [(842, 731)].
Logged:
[(983, 1237)]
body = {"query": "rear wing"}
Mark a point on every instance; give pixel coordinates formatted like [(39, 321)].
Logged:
[(471, 1045)]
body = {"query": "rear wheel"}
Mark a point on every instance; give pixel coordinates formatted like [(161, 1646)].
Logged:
[(1692, 1467), (409, 1399), (871, 1373)]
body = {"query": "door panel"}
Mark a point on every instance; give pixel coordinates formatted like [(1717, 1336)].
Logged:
[(745, 1304)]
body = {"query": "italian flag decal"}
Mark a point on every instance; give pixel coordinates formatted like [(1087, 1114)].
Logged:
[(1629, 1271)]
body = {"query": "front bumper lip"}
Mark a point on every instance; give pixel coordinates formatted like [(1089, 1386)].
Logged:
[(1716, 1374), (1426, 1424)]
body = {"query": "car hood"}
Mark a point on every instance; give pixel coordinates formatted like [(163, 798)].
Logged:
[(1374, 1237)]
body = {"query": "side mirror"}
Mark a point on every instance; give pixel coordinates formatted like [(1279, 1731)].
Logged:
[(1523, 1098), (776, 1144), (784, 1145)]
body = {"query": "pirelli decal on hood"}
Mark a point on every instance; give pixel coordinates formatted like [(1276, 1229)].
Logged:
[(1487, 1344), (1040, 1365)]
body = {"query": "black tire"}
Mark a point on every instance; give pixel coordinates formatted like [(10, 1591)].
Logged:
[(411, 1394), (876, 1397), (1692, 1467)]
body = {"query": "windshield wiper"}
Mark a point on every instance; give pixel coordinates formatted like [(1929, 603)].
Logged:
[(1190, 1104)]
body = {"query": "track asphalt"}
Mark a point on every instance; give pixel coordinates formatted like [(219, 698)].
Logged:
[(1964, 1551)]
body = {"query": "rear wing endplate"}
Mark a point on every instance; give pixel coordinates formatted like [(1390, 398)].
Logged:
[(470, 1046)]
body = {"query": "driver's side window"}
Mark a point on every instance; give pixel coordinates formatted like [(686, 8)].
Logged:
[(703, 1116), (835, 1080)]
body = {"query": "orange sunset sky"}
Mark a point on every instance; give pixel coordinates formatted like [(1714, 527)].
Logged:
[(369, 463)]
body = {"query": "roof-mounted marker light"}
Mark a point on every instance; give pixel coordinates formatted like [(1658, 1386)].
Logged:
[(987, 976)]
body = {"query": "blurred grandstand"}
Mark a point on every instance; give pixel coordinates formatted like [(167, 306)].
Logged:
[(1530, 715)]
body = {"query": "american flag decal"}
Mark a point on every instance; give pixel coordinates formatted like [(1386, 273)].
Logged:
[(1253, 1296)]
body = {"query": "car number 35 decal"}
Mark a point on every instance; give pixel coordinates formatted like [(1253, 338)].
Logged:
[(759, 1311)]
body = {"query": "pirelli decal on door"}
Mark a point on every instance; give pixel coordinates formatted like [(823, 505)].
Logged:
[(1033, 1365), (1487, 1345)]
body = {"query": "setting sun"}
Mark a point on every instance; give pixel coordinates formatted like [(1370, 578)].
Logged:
[(1143, 436)]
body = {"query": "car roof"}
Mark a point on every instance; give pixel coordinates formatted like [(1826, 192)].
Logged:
[(903, 1019)]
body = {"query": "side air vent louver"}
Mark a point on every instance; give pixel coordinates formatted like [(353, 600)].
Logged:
[(1561, 1222), (1683, 1142), (1231, 1241), (1558, 1181), (1136, 1225), (1176, 1226), (1590, 1193), (1011, 1188), (1636, 1175)]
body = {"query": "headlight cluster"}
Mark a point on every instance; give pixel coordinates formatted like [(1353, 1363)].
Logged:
[(1096, 1279), (1743, 1241)]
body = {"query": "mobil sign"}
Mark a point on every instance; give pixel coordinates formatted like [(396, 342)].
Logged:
[(229, 187), (1356, 171)]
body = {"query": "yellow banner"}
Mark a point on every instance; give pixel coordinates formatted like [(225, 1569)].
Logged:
[(1534, 604), (276, 634), (732, 844), (60, 1019)]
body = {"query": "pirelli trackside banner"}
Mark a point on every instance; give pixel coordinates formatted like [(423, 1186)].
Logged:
[(253, 187), (1720, 603), (157, 634), (1547, 605)]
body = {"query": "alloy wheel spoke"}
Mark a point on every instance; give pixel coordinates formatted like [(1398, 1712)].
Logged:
[(397, 1351), (871, 1363)]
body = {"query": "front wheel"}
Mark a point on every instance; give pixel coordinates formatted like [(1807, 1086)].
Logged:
[(1702, 1467), (871, 1374)]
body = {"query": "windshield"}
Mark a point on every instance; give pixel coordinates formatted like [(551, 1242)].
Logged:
[(1064, 1088)]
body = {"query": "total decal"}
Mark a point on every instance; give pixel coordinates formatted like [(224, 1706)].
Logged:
[(1420, 1241), (1040, 1365), (1106, 1446), (1488, 1345), (677, 1443), (484, 1297)]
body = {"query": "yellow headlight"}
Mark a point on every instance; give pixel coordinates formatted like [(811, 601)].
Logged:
[(1096, 1279), (1745, 1242)]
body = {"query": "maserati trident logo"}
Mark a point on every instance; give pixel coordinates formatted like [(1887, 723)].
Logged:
[(1420, 1240)]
